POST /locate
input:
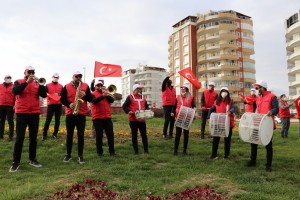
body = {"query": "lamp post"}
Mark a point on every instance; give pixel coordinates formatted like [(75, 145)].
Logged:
[(83, 74)]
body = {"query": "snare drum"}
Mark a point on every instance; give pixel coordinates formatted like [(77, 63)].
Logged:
[(185, 117), (256, 128), (219, 124)]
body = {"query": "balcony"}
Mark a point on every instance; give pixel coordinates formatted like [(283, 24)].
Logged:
[(248, 51), (293, 43), (294, 84), (294, 56), (228, 36), (294, 70), (226, 26), (295, 28), (230, 45), (212, 38), (229, 56)]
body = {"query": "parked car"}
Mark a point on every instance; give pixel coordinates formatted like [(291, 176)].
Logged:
[(277, 120)]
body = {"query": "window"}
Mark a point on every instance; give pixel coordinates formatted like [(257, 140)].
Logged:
[(186, 30), (185, 40), (176, 53), (186, 59), (176, 62), (177, 80), (186, 49), (176, 44)]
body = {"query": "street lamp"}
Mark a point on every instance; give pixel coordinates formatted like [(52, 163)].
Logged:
[(83, 74)]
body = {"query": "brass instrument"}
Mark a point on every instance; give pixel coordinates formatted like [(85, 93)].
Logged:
[(111, 90), (78, 101), (41, 81)]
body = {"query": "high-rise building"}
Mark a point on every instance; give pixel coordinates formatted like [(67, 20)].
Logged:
[(224, 45), (150, 77), (292, 36)]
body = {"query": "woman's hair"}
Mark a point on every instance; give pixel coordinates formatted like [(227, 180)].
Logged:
[(219, 98)]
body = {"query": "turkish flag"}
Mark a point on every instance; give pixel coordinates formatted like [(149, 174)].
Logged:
[(190, 76), (248, 99), (53, 96), (297, 105), (110, 70)]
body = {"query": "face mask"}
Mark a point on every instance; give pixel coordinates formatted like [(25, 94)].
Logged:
[(7, 81), (284, 98), (55, 80), (210, 87), (223, 94), (252, 92)]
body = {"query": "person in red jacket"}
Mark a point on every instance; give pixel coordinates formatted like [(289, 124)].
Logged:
[(185, 99), (54, 105), (266, 104), (73, 120), (168, 101), (7, 102), (285, 115), (134, 102), (27, 108), (250, 100), (223, 104), (101, 116), (207, 100)]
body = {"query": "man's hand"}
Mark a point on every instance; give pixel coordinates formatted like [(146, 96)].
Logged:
[(172, 114), (81, 94), (72, 106), (130, 113), (30, 78), (269, 113)]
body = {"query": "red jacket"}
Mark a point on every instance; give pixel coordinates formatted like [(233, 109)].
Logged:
[(284, 112), (54, 88), (222, 108), (264, 104), (209, 98), (7, 97), (182, 100), (250, 103), (137, 102), (71, 98), (28, 100), (101, 109), (168, 97)]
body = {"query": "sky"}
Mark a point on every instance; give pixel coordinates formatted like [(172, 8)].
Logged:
[(65, 36)]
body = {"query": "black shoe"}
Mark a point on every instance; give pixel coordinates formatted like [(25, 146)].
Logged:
[(268, 168), (226, 157), (10, 139), (175, 153), (184, 152), (213, 157), (45, 137), (67, 158), (113, 154), (146, 152), (251, 163), (55, 137), (100, 155), (170, 136), (81, 160), (14, 167), (35, 163), (202, 137), (165, 137)]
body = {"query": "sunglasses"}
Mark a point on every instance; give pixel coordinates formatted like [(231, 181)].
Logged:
[(30, 72), (99, 85), (78, 76), (8, 77)]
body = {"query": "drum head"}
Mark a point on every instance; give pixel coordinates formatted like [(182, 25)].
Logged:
[(246, 126), (219, 124), (266, 130)]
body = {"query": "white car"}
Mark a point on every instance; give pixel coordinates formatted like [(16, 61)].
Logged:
[(277, 120)]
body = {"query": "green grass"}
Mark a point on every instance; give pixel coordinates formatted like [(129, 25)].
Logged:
[(160, 172)]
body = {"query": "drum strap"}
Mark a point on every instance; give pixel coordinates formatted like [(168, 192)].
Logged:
[(138, 100)]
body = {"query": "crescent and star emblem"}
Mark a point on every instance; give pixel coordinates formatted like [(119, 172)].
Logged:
[(189, 76), (105, 71)]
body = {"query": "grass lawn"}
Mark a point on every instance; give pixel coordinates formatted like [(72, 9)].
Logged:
[(160, 172)]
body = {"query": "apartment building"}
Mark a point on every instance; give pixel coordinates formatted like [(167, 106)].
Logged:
[(292, 36), (224, 46), (150, 77)]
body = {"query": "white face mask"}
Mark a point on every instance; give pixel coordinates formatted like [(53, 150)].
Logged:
[(210, 87), (7, 80), (284, 98), (224, 94), (252, 92), (55, 79)]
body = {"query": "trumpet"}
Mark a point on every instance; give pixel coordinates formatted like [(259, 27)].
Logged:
[(41, 81)]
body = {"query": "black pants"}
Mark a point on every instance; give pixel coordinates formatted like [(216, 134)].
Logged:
[(185, 139), (269, 156), (107, 125), (285, 126), (7, 112), (22, 121), (168, 120), (203, 122), (135, 126), (73, 121), (53, 109), (227, 141)]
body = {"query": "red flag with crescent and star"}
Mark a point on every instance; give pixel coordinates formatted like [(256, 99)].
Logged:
[(297, 105), (108, 70), (190, 76)]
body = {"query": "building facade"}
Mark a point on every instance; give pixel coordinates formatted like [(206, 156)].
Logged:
[(150, 77), (292, 36), (224, 46)]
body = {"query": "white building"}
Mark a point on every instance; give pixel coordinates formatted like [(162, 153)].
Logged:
[(292, 36), (150, 77)]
